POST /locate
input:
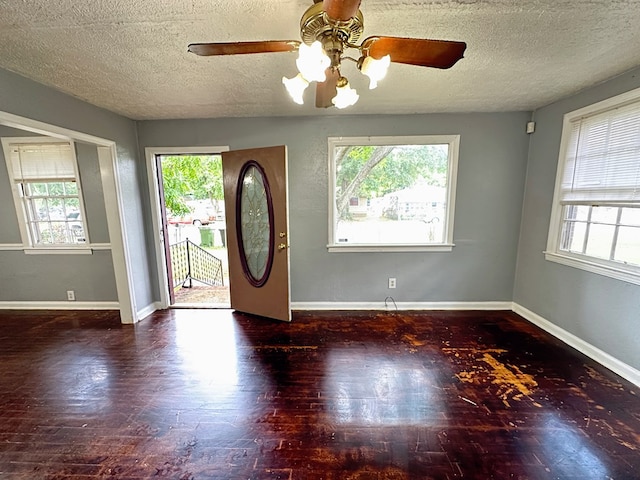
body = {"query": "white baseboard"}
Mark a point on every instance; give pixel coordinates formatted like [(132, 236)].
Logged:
[(625, 371), (142, 313), (64, 305), (148, 310), (390, 305)]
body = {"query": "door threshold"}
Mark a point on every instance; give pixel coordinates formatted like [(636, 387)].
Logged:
[(221, 306)]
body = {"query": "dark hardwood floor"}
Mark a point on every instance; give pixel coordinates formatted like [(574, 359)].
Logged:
[(211, 394)]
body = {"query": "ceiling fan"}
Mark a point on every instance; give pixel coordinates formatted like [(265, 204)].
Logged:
[(327, 29)]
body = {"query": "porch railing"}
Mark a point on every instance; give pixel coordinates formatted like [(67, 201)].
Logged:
[(191, 262)]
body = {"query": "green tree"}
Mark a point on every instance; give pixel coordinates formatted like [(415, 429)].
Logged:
[(190, 176), (374, 171)]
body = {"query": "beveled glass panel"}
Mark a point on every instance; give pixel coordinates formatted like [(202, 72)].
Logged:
[(255, 224)]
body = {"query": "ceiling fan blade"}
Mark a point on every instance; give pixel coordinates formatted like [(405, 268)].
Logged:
[(239, 48), (325, 91), (416, 51), (341, 10)]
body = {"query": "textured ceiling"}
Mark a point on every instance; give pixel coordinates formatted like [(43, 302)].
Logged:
[(130, 57)]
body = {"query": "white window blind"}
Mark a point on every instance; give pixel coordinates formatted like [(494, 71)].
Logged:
[(602, 163), (42, 161)]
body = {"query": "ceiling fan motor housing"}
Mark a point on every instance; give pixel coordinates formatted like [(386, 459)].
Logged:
[(316, 25)]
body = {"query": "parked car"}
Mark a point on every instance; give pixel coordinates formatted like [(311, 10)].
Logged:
[(199, 216)]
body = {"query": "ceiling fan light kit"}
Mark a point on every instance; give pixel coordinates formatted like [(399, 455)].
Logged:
[(345, 95), (312, 62), (374, 69), (329, 27), (296, 87)]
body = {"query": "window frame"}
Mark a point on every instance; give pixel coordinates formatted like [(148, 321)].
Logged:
[(452, 174), (28, 242), (609, 268)]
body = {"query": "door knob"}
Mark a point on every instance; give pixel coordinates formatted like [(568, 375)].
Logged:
[(282, 246), (282, 234)]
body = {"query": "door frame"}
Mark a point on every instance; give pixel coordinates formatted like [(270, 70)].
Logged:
[(156, 213)]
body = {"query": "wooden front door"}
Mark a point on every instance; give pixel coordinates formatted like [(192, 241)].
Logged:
[(255, 194), (164, 238)]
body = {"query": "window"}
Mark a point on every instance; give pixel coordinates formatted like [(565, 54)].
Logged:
[(392, 193), (46, 192), (595, 222)]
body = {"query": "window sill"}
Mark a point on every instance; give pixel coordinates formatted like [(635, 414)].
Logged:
[(441, 247), (628, 275), (58, 251)]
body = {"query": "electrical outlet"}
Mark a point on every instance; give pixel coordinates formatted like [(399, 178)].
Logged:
[(392, 282), (71, 295)]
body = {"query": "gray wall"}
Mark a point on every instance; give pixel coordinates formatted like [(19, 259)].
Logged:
[(600, 310), (23, 97), (492, 163), (10, 233), (32, 278)]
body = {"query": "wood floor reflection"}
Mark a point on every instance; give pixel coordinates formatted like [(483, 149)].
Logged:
[(212, 394)]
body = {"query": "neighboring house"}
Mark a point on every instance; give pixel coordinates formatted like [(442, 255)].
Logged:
[(359, 207), (421, 202)]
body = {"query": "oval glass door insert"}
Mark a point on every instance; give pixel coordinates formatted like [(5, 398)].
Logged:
[(254, 223)]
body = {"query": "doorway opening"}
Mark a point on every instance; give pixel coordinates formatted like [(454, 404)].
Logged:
[(194, 228)]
